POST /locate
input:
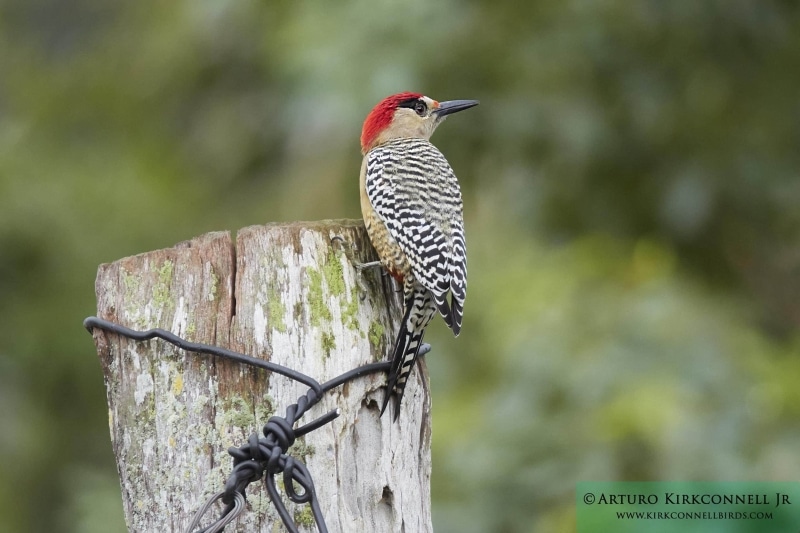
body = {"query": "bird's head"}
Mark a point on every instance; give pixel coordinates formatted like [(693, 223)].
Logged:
[(406, 115)]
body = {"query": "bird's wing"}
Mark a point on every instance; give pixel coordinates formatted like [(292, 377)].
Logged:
[(416, 194)]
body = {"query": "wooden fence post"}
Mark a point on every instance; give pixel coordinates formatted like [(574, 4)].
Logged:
[(282, 292)]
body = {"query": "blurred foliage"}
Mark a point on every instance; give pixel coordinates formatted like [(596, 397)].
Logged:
[(631, 189)]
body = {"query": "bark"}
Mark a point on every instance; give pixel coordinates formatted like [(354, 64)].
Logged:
[(288, 294)]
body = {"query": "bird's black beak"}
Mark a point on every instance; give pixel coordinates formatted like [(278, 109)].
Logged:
[(453, 106)]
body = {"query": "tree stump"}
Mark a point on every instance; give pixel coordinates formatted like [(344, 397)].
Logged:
[(288, 294)]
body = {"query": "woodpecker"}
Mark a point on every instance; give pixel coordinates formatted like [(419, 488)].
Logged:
[(412, 208)]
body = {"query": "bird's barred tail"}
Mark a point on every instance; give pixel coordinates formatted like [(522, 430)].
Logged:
[(420, 309)]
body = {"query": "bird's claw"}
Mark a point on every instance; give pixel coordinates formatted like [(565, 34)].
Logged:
[(363, 266), (349, 251), (348, 248)]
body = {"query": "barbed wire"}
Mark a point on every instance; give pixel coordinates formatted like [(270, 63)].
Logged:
[(261, 456)]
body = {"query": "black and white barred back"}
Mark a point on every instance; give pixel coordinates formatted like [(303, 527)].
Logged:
[(415, 193)]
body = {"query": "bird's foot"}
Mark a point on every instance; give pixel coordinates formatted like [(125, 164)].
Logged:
[(346, 247), (363, 266), (349, 248)]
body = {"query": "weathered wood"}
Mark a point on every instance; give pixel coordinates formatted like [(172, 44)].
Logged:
[(284, 293)]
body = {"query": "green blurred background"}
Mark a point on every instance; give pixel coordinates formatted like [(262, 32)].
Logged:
[(631, 199)]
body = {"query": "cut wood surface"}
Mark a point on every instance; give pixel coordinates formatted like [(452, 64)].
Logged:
[(281, 292)]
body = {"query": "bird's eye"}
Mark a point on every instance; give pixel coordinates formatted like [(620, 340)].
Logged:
[(420, 108)]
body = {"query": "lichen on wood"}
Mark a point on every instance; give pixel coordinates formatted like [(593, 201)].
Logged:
[(282, 292)]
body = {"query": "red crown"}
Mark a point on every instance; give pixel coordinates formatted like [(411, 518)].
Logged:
[(381, 116)]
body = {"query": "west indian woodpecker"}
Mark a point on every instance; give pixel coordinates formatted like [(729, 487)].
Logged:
[(412, 208)]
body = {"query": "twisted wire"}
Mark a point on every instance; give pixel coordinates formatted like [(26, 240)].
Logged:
[(261, 456)]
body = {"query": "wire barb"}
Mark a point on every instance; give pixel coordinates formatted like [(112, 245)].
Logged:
[(261, 456)]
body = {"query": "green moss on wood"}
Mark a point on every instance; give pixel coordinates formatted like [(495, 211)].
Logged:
[(375, 334), (161, 294), (277, 311), (238, 412), (130, 283), (334, 274), (318, 307), (264, 409), (350, 310), (303, 516), (328, 343), (131, 295)]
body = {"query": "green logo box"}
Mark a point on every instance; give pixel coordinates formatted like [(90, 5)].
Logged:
[(688, 507)]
